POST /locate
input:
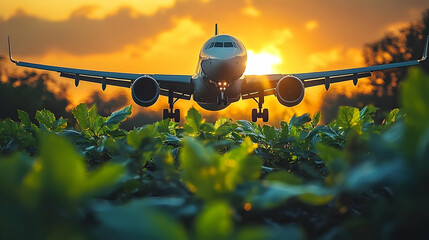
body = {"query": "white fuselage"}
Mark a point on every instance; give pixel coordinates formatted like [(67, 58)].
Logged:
[(222, 61)]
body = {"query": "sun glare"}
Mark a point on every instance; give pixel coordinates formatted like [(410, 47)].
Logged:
[(261, 63)]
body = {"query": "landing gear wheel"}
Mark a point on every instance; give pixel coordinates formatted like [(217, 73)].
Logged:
[(262, 113), (265, 115), (171, 112), (177, 115), (254, 115), (165, 114)]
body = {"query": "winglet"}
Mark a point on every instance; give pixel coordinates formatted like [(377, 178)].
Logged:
[(215, 29), (10, 54), (425, 52)]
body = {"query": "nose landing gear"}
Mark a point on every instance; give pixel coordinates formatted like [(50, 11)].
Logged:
[(171, 112), (262, 113), (222, 98)]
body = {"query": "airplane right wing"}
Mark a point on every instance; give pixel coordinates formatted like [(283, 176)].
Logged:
[(254, 84)]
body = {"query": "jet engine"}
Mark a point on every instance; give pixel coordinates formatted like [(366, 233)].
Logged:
[(290, 91), (145, 91)]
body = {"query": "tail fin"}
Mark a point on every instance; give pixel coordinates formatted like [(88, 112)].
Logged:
[(215, 29)]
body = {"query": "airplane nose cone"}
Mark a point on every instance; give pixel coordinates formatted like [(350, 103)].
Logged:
[(223, 69)]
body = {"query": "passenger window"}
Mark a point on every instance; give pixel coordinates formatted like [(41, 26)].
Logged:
[(228, 44), (218, 44)]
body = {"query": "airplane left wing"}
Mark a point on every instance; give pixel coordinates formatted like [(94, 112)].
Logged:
[(254, 85), (181, 83)]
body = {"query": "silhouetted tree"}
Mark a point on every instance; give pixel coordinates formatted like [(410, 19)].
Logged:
[(408, 44), (29, 92)]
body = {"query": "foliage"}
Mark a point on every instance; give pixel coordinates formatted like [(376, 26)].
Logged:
[(403, 45), (350, 179), (30, 91)]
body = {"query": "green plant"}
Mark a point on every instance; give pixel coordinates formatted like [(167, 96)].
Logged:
[(349, 179)]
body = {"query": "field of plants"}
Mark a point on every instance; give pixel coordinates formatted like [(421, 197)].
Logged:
[(350, 179)]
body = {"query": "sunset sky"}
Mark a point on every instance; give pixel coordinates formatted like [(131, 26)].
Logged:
[(165, 37)]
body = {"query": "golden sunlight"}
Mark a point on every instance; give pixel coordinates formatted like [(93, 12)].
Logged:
[(95, 9), (261, 63)]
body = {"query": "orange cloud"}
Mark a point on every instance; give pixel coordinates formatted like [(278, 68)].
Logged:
[(311, 25), (60, 10), (251, 11)]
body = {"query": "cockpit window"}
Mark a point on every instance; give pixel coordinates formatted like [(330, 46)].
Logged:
[(223, 45), (210, 45), (236, 45)]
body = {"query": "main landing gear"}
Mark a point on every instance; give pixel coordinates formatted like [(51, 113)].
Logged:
[(171, 113), (262, 113), (222, 99)]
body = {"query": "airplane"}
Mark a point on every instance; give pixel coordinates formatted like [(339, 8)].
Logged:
[(219, 80)]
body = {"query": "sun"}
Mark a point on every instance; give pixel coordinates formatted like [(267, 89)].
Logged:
[(262, 62)]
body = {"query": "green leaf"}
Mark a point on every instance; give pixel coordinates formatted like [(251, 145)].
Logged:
[(415, 97), (224, 126), (415, 101), (214, 222), (209, 175), (12, 171), (45, 117), (137, 220), (59, 174), (368, 174), (172, 139), (118, 116), (316, 119), (247, 126), (316, 200), (200, 168), (163, 126), (81, 115), (96, 122), (269, 133), (59, 125), (284, 130), (193, 121), (25, 119), (207, 127), (348, 117), (222, 122), (284, 177), (299, 121), (239, 165), (274, 194), (368, 112), (138, 137), (104, 178), (335, 159), (393, 115), (256, 233)]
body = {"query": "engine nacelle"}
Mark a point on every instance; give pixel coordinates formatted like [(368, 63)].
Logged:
[(290, 91), (145, 91)]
